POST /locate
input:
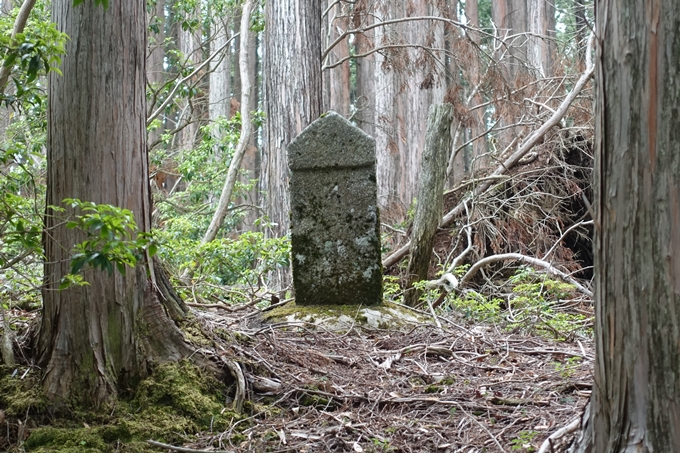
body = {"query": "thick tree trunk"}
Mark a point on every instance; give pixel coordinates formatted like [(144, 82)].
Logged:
[(155, 73), (189, 44), (635, 403), (220, 71), (293, 88), (250, 165), (364, 98), (540, 42), (336, 81), (510, 18), (581, 28), (430, 196), (98, 338), (407, 81), (474, 68)]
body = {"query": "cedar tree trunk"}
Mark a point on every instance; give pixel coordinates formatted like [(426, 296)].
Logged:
[(636, 397), (96, 339), (293, 98)]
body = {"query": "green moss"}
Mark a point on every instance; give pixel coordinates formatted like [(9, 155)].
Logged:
[(48, 439), (302, 311), (433, 389), (448, 380), (194, 334), (176, 401), (193, 399), (19, 396), (312, 313)]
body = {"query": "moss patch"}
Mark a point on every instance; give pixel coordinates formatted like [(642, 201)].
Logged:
[(20, 392), (178, 400), (341, 317)]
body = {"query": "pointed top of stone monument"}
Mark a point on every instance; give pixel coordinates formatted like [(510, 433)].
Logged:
[(331, 141)]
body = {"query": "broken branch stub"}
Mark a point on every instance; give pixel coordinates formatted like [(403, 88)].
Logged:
[(430, 196)]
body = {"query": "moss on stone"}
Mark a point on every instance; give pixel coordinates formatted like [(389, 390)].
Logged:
[(395, 317)]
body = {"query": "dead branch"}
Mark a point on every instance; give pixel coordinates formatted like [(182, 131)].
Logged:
[(506, 165), (570, 428), (198, 69), (6, 342), (389, 22), (237, 374), (527, 259)]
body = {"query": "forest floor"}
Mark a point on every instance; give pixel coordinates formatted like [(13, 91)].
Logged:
[(422, 388), (462, 387)]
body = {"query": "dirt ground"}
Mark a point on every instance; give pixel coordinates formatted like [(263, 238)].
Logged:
[(458, 388)]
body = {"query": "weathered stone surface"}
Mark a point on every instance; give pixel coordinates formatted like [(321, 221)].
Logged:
[(335, 224)]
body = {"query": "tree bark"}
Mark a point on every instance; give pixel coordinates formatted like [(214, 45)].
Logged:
[(189, 44), (474, 67), (407, 81), (510, 18), (251, 160), (581, 28), (96, 339), (635, 400), (430, 196), (220, 71), (336, 81), (540, 42), (292, 100), (155, 73), (364, 99)]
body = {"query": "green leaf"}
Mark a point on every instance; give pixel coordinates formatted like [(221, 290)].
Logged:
[(77, 263), (10, 59)]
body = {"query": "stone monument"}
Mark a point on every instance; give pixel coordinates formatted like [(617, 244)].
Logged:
[(335, 223)]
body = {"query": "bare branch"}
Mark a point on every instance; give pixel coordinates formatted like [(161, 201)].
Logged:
[(387, 22), (171, 96), (509, 163), (527, 259)]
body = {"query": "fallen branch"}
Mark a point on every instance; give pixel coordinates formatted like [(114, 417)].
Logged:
[(6, 350), (240, 394), (506, 165), (570, 428), (527, 259)]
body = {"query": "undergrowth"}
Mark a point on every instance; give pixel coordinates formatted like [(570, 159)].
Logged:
[(534, 305)]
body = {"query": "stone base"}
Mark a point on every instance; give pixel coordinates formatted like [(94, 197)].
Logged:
[(344, 317)]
